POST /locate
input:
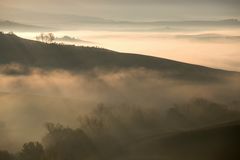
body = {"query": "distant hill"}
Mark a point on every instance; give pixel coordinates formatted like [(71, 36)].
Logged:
[(75, 21), (19, 27), (73, 58), (69, 19)]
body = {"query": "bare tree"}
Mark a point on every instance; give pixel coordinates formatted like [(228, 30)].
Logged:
[(51, 37), (42, 37), (47, 38)]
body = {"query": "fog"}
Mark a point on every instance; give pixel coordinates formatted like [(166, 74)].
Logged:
[(29, 101)]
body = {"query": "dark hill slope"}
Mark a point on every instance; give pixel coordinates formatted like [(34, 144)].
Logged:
[(54, 56), (219, 142)]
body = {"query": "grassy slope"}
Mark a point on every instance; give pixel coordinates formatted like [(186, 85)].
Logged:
[(211, 143), (52, 56)]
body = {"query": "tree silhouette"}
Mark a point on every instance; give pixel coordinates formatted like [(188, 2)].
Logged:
[(32, 151), (68, 144), (51, 37), (47, 38), (42, 37)]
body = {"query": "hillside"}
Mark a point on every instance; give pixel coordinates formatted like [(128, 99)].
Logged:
[(210, 143), (73, 58)]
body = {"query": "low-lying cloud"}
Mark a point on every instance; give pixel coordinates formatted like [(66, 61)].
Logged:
[(71, 39), (30, 100), (211, 37)]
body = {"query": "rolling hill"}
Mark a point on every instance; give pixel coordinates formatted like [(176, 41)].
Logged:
[(30, 53), (211, 143)]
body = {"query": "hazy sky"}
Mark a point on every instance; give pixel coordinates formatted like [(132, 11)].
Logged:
[(133, 9)]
